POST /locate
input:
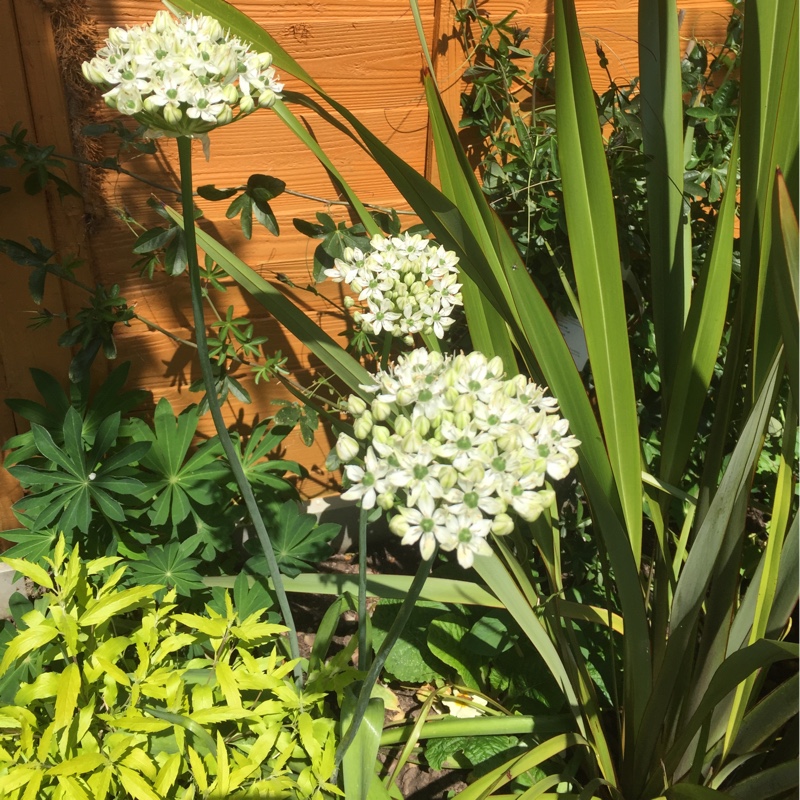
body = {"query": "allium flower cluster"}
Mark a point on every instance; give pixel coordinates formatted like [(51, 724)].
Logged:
[(182, 77), (406, 285), (454, 450)]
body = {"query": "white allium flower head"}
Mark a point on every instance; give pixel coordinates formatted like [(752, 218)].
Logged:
[(405, 284), (460, 451), (182, 77)]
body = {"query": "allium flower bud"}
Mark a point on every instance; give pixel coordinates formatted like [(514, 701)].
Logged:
[(347, 448), (356, 405), (348, 301), (502, 525), (447, 476), (421, 425), (402, 426), (398, 525), (406, 397), (246, 104), (381, 410), (386, 500), (363, 425)]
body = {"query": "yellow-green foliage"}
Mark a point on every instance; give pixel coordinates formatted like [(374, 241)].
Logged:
[(130, 698)]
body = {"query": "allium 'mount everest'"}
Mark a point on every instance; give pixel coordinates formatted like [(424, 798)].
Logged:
[(406, 283), (182, 77), (454, 449)]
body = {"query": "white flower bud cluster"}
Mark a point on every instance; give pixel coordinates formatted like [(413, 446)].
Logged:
[(455, 450), (182, 77), (406, 285)]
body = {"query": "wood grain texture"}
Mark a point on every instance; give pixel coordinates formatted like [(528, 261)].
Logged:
[(367, 56)]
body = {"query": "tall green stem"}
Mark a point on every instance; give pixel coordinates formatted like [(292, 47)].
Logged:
[(406, 607), (231, 453), (363, 645)]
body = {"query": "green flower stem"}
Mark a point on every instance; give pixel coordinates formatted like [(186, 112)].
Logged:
[(363, 646), (400, 621), (387, 350), (185, 160)]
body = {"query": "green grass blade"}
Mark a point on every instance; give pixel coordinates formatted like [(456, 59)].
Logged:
[(661, 98), (769, 111), (358, 765), (309, 333), (592, 227), (732, 672), (766, 718), (780, 780), (784, 276), (487, 785), (700, 341)]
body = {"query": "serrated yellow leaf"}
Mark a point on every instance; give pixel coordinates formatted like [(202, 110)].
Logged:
[(17, 776), (25, 641), (79, 765), (45, 741), (72, 789), (262, 746), (167, 774), (139, 761), (221, 786), (198, 769), (227, 683), (135, 785), (67, 626), (113, 671), (135, 723), (210, 716), (102, 609), (32, 571), (99, 564), (58, 552), (305, 727), (100, 783), (32, 789), (172, 643), (215, 628), (45, 685), (69, 685), (257, 630)]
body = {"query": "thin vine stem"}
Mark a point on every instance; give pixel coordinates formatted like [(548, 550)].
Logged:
[(185, 160), (396, 628)]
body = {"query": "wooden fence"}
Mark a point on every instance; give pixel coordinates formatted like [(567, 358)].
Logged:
[(365, 54)]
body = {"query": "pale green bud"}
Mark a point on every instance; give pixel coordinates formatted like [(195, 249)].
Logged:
[(464, 403), (247, 104), (398, 525), (474, 472), (267, 98), (447, 477), (363, 425), (385, 500), (381, 410), (422, 426), (356, 405), (162, 22), (230, 93), (409, 279), (462, 419), (406, 396), (92, 73), (347, 448), (412, 442), (495, 366), (348, 301), (451, 396), (172, 115), (225, 115), (408, 341), (502, 525), (381, 434), (402, 426), (487, 449)]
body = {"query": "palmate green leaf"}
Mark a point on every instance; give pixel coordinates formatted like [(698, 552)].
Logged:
[(589, 208), (169, 565), (31, 545), (298, 540)]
